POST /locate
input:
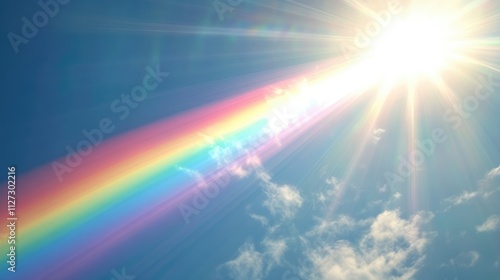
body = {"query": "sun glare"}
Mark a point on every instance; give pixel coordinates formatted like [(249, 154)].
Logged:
[(414, 46)]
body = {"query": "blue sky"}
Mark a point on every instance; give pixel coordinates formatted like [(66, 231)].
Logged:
[(330, 204)]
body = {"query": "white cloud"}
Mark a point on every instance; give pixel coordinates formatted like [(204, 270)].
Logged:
[(490, 183), (336, 185), (396, 196), (493, 173), (282, 200), (321, 197), (334, 192), (253, 161), (247, 266), (377, 135), (222, 154), (466, 259), (194, 174), (486, 186), (263, 220), (265, 177), (491, 224), (382, 188), (331, 229), (391, 248), (275, 249), (233, 157), (460, 199), (238, 170)]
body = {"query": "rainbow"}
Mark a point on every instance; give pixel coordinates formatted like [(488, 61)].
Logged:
[(132, 180)]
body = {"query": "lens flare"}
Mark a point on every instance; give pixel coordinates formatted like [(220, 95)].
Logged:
[(414, 46)]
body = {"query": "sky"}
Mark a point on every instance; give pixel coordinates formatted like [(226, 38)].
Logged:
[(250, 139)]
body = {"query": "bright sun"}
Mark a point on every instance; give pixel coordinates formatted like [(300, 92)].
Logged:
[(427, 43), (414, 46)]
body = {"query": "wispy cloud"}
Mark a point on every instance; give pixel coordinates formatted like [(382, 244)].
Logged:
[(248, 265), (281, 200), (490, 183), (377, 135), (382, 188), (330, 229), (491, 224), (391, 247), (334, 191), (396, 196), (237, 160), (486, 186), (275, 249), (261, 219), (466, 259), (194, 174), (460, 199)]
